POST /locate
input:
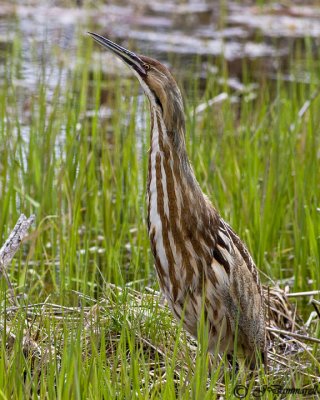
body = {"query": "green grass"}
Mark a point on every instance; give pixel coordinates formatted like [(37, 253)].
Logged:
[(84, 176)]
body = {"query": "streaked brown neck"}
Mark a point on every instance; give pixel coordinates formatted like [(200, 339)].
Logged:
[(177, 209), (168, 139)]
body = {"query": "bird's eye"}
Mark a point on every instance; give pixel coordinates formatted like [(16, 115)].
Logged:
[(146, 66)]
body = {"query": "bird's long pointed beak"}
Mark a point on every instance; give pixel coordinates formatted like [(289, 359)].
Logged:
[(127, 56)]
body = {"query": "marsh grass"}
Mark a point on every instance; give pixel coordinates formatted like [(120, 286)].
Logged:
[(74, 153)]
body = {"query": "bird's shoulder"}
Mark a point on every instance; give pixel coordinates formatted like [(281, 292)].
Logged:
[(232, 254)]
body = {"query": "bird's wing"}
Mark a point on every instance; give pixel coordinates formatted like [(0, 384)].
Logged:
[(228, 237), (239, 286)]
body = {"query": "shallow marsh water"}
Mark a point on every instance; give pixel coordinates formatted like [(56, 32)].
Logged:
[(166, 30)]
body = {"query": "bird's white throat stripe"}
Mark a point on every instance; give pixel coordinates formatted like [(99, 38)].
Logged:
[(163, 226), (168, 253), (155, 219)]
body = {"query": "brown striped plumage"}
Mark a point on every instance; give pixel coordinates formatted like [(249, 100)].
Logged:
[(202, 265)]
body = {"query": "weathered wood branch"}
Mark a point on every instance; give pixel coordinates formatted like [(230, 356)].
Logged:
[(11, 246)]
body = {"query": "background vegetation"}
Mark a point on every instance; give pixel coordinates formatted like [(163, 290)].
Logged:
[(74, 153)]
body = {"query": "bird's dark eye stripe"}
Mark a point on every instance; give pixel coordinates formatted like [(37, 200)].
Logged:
[(157, 99), (158, 102)]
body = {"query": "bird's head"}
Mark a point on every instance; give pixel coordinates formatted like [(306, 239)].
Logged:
[(157, 82)]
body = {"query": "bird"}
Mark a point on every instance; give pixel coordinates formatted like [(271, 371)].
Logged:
[(202, 265)]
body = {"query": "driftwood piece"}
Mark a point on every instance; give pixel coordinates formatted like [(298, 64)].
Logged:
[(11, 246)]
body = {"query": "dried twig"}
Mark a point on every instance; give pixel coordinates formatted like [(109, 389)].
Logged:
[(303, 294), (11, 246), (294, 335)]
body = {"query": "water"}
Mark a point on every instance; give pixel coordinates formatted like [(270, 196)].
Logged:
[(159, 28), (176, 33)]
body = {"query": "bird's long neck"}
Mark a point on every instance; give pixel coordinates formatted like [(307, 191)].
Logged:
[(177, 209), (171, 181)]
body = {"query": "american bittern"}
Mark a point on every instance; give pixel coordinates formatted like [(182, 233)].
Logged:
[(202, 265)]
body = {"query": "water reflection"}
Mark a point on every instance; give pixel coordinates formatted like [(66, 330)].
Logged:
[(48, 37)]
